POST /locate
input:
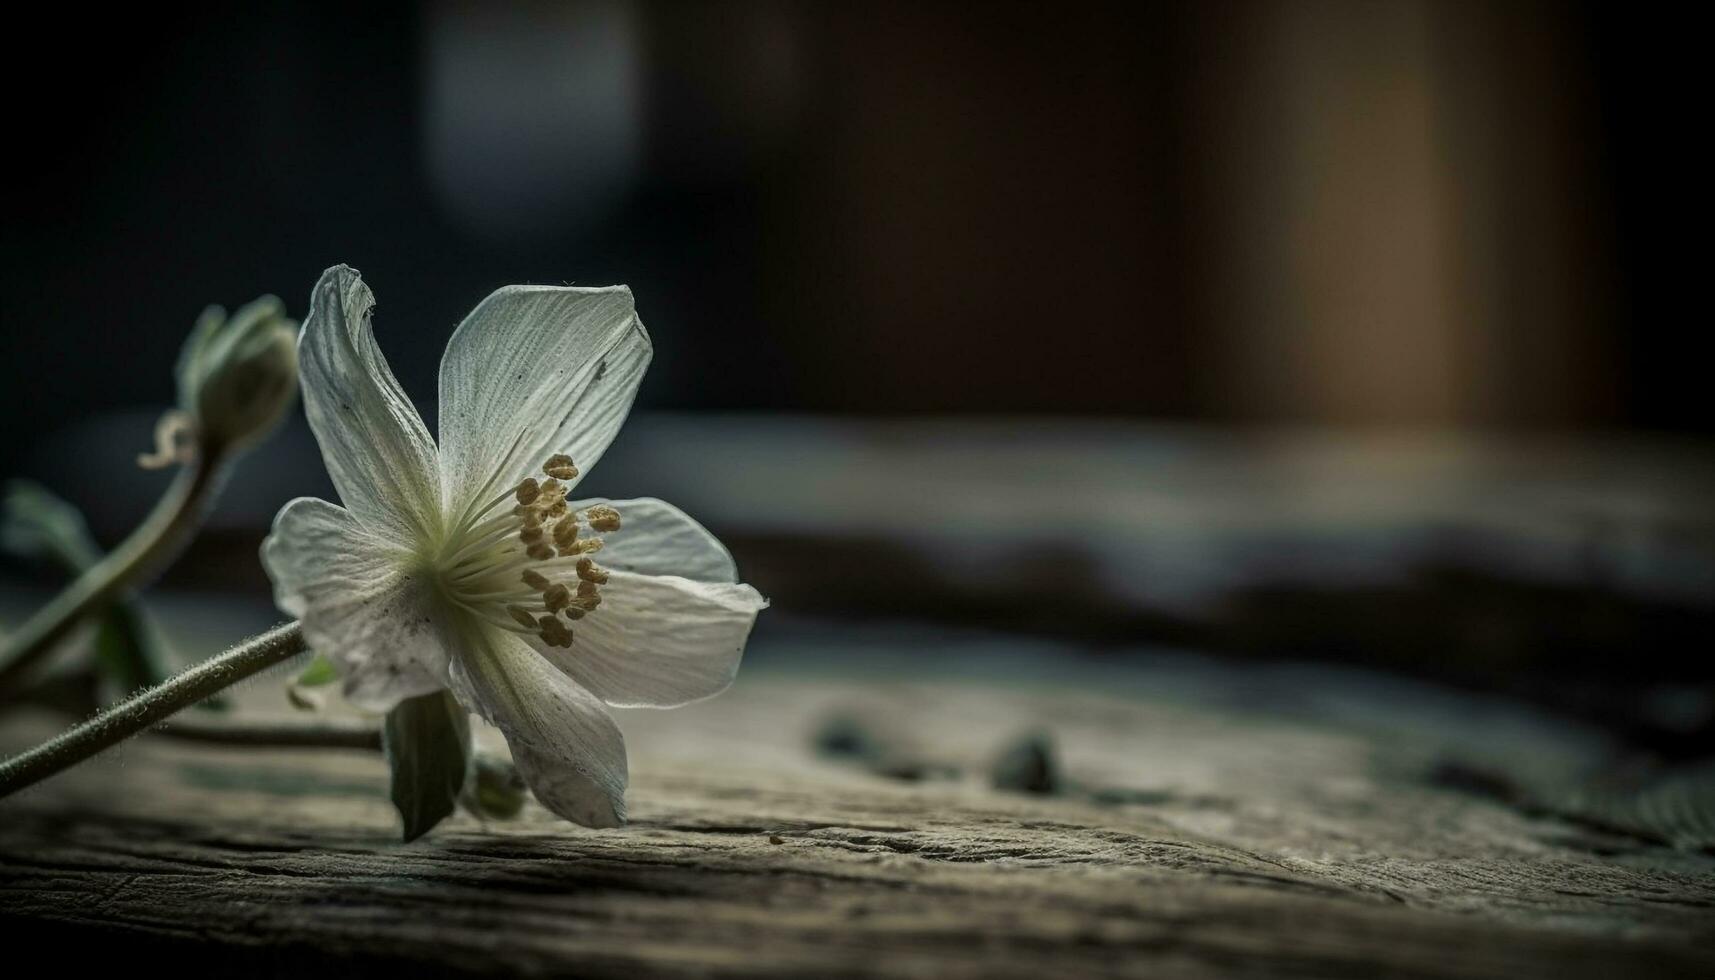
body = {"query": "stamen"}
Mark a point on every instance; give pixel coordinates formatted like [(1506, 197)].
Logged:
[(566, 532), (485, 615), (602, 518), (555, 633), (559, 466), (530, 531), (588, 597), (556, 597)]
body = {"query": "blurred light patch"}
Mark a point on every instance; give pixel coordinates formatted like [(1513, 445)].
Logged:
[(533, 116)]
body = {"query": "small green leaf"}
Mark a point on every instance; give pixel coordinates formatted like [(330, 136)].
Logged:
[(320, 670), (427, 740), (36, 523), (302, 692)]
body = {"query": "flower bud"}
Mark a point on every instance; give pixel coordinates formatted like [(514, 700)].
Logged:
[(237, 376)]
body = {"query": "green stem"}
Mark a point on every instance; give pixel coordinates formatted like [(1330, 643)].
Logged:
[(142, 554), (144, 709)]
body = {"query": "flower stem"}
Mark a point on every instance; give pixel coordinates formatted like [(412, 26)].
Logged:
[(143, 709), (142, 554)]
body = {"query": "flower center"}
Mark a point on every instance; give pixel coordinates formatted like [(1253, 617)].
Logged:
[(521, 561)]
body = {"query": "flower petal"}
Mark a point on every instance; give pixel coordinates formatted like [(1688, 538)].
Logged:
[(660, 641), (566, 745), (348, 587), (657, 538), (376, 447), (534, 371)]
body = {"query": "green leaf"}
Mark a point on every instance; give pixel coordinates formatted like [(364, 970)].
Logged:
[(320, 670), (302, 692), (36, 523), (427, 740), (126, 649)]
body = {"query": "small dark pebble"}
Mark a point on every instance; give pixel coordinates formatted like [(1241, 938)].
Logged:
[(845, 736), (1027, 765), (849, 738), (1456, 775), (776, 839)]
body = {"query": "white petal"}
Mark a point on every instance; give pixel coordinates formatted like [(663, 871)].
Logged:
[(657, 538), (566, 746), (658, 641), (534, 371), (376, 447), (348, 587)]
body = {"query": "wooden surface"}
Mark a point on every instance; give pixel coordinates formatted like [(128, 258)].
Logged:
[(1211, 820)]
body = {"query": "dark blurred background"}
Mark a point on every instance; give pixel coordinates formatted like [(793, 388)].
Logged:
[(1397, 212), (1339, 330)]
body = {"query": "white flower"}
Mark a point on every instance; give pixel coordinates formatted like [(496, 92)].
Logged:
[(466, 567)]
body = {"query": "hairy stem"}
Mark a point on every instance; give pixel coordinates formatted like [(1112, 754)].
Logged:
[(139, 556), (143, 709)]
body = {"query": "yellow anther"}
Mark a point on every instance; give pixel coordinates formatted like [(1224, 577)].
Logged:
[(551, 486), (591, 573), (523, 616), (566, 532), (585, 546), (556, 598), (539, 551), (603, 518), (534, 579), (530, 533), (528, 491), (587, 589), (556, 509), (573, 612), (560, 467)]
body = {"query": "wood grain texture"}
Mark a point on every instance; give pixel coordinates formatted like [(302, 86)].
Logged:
[(1198, 835)]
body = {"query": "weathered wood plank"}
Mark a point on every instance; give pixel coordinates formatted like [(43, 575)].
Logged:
[(1198, 836)]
